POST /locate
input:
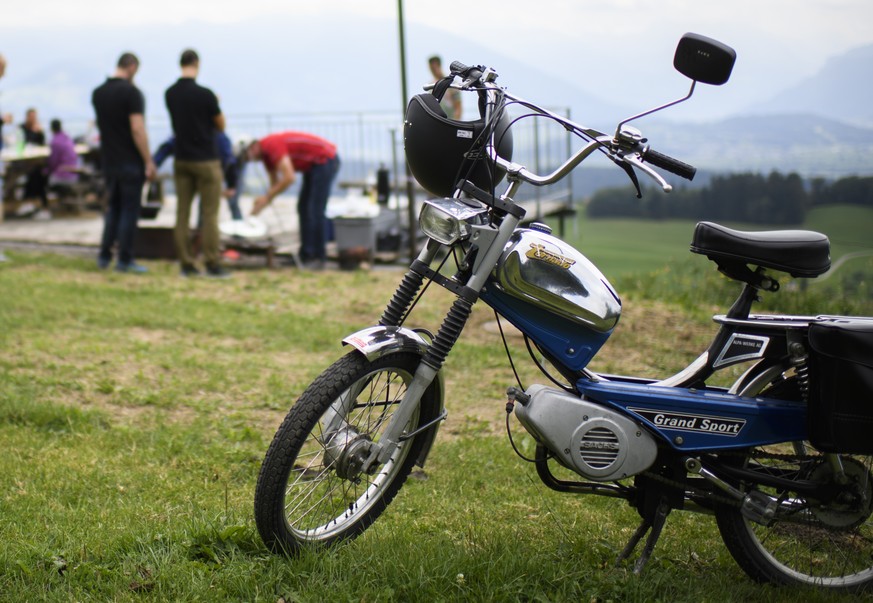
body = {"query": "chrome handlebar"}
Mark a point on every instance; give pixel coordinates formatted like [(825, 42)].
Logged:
[(515, 171), (619, 148)]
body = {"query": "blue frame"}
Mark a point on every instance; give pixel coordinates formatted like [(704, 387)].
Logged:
[(691, 420), (688, 420), (567, 342)]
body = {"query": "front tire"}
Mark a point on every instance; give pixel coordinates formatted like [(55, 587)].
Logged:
[(310, 490)]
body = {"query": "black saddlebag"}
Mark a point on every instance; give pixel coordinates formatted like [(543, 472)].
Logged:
[(841, 392)]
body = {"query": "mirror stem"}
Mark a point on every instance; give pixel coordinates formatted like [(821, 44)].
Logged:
[(650, 111)]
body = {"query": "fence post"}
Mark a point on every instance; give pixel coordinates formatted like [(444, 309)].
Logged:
[(410, 190), (537, 166)]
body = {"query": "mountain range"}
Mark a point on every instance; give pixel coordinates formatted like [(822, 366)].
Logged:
[(842, 91)]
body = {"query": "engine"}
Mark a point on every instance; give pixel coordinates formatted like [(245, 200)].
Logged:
[(592, 440)]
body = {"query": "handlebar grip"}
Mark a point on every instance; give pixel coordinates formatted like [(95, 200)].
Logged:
[(458, 68), (469, 73), (665, 162)]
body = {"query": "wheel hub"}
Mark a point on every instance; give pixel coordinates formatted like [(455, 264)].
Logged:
[(346, 452), (854, 503)]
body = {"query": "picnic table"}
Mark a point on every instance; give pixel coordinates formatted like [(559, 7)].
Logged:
[(20, 162)]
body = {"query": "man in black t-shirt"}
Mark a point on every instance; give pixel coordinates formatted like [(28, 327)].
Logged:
[(195, 115), (125, 160)]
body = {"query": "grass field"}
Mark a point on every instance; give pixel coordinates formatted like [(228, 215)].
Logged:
[(135, 412), (652, 259), (621, 247)]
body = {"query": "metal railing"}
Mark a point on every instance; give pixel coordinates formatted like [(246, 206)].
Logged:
[(368, 141)]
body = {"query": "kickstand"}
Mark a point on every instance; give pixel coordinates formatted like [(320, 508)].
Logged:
[(656, 524)]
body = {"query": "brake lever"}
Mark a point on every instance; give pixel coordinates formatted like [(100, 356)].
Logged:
[(633, 159), (630, 174), (477, 75)]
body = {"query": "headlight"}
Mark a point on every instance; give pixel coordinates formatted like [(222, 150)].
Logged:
[(447, 220)]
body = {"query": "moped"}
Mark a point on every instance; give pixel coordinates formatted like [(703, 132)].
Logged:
[(781, 458)]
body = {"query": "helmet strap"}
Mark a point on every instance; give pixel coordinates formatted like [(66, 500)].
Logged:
[(440, 88)]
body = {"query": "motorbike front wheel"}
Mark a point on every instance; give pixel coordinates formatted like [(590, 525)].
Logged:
[(311, 490), (824, 541)]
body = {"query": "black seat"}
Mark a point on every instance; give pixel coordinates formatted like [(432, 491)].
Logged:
[(800, 253)]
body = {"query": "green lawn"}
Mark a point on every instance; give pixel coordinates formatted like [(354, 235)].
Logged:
[(849, 227), (651, 259), (135, 411), (624, 246)]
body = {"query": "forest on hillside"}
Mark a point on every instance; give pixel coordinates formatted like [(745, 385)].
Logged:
[(747, 197)]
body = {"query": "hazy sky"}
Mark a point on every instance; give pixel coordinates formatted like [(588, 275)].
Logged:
[(814, 28), (619, 49)]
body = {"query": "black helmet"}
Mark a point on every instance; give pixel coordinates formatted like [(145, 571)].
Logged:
[(437, 148)]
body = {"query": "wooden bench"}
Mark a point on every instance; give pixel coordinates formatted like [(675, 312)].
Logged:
[(87, 192)]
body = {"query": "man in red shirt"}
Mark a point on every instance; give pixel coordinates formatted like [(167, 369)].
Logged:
[(285, 154)]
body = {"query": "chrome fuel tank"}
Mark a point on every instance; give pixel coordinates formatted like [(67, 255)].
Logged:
[(550, 274)]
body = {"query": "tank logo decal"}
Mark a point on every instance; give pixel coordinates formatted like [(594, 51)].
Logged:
[(539, 252), (686, 422), (465, 133), (740, 347)]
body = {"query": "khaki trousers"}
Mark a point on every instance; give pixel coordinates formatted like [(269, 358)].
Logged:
[(193, 177)]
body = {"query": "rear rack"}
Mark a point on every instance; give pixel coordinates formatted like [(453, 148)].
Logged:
[(768, 321)]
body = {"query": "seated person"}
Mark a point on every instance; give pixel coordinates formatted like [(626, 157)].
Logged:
[(34, 187), (63, 160), (31, 129)]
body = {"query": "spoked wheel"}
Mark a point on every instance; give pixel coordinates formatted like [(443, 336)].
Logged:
[(825, 542), (311, 488), (824, 539)]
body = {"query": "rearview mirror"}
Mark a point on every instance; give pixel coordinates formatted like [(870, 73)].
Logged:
[(704, 60)]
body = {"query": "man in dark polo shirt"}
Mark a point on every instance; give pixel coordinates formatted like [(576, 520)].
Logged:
[(125, 160), (195, 116)]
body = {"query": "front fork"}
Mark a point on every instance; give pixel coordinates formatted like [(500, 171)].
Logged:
[(445, 339)]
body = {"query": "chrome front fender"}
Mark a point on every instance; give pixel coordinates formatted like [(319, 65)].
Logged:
[(376, 342)]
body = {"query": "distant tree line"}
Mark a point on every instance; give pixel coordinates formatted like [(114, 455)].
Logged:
[(772, 199)]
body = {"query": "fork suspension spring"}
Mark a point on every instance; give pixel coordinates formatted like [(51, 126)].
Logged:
[(402, 299), (448, 334)]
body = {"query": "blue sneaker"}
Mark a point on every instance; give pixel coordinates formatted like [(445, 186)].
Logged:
[(131, 268), (103, 263)]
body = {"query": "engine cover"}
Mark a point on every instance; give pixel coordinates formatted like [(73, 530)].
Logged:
[(590, 439)]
